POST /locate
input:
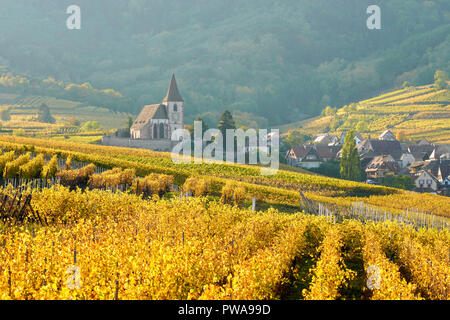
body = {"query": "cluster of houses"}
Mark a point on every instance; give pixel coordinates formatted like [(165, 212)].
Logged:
[(426, 163)]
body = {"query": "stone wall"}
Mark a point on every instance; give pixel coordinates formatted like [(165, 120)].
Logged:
[(155, 145)]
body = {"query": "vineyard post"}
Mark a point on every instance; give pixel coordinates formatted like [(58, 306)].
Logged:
[(253, 204), (116, 294), (9, 281)]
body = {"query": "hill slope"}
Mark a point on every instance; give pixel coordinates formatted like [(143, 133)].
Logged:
[(279, 190), (237, 54), (416, 111)]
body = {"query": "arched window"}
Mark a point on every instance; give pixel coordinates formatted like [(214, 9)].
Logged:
[(155, 131), (161, 131), (175, 108)]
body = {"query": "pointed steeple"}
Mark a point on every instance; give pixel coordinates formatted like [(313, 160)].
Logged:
[(173, 95)]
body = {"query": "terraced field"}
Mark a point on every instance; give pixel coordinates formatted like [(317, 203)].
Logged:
[(417, 111), (25, 109)]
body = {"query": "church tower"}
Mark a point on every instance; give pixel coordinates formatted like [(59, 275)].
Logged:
[(175, 107)]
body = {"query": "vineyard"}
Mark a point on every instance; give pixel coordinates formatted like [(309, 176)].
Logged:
[(104, 245), (418, 112), (82, 221), (23, 112)]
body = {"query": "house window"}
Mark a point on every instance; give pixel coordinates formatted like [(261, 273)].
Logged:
[(161, 131), (175, 108), (155, 131)]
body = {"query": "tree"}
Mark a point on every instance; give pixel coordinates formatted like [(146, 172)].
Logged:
[(328, 111), (204, 124), (226, 122), (400, 182), (440, 80), (91, 126), (350, 162), (335, 124), (129, 122), (325, 111), (401, 135), (329, 168), (295, 138), (405, 84), (44, 114), (6, 114), (74, 122)]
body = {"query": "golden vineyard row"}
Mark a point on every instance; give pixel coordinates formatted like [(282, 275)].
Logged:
[(104, 245), (281, 189)]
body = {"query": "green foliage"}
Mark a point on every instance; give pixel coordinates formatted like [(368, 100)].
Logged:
[(398, 181), (6, 114), (33, 168), (129, 122), (74, 122), (329, 111), (91, 126), (291, 58), (51, 168), (44, 114), (5, 158), (68, 164), (295, 138), (12, 168), (204, 125), (226, 122), (335, 123), (440, 80), (330, 168), (350, 162)]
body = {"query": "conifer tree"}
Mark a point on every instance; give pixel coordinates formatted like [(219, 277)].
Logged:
[(226, 122), (350, 162)]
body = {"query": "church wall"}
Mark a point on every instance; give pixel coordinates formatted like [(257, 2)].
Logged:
[(176, 119), (156, 145)]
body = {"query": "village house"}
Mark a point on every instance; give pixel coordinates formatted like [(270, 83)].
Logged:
[(326, 139), (310, 155), (427, 164), (425, 181), (369, 149), (358, 138), (445, 187), (387, 136), (406, 160), (380, 166)]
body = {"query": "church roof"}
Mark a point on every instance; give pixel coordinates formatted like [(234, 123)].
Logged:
[(155, 111), (173, 94)]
